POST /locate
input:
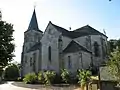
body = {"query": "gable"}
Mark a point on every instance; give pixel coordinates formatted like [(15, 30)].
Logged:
[(74, 47), (51, 34)]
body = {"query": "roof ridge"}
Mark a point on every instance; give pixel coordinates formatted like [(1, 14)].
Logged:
[(58, 26)]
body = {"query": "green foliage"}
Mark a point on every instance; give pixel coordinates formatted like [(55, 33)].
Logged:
[(41, 77), (49, 76), (83, 77), (6, 43), (30, 78), (113, 44), (114, 64), (65, 75), (11, 72)]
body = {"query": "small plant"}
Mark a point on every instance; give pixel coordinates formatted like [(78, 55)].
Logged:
[(65, 75), (41, 77), (49, 77), (84, 78), (19, 79), (30, 78)]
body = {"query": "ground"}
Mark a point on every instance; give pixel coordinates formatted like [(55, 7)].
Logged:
[(22, 86)]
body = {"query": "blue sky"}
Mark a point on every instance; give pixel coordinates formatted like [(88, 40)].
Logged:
[(100, 14)]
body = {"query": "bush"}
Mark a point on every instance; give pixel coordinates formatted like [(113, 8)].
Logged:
[(84, 77), (11, 72), (49, 76), (65, 75), (19, 79), (30, 78), (57, 79), (41, 78)]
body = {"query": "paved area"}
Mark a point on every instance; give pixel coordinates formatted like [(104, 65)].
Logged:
[(9, 86), (22, 86)]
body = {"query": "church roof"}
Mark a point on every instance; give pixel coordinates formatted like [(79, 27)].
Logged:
[(88, 30), (74, 47), (35, 47), (83, 31), (33, 25)]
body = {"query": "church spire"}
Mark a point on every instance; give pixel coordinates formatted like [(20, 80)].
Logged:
[(33, 23)]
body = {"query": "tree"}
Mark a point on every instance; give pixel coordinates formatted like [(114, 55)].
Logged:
[(114, 64), (113, 44), (11, 72), (6, 43)]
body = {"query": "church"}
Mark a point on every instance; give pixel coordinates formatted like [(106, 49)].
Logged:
[(57, 48)]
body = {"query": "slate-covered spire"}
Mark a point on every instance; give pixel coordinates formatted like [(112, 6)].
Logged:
[(33, 23)]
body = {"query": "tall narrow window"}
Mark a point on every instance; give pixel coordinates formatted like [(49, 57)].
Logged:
[(31, 63), (49, 53), (60, 43), (96, 49), (34, 62), (69, 62)]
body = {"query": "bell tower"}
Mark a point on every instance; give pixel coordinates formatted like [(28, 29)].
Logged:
[(33, 35)]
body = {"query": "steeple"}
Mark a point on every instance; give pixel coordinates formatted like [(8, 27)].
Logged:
[(33, 23)]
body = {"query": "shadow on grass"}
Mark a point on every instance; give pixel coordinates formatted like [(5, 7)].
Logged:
[(47, 87), (3, 82)]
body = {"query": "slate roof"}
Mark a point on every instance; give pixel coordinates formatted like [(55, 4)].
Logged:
[(74, 47), (83, 31), (33, 25), (88, 30), (35, 47)]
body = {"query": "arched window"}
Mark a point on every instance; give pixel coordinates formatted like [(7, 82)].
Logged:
[(49, 53), (96, 49)]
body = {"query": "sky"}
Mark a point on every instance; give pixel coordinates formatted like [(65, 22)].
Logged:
[(100, 14)]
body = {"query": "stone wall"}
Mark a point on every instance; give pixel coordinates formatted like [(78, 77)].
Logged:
[(108, 85)]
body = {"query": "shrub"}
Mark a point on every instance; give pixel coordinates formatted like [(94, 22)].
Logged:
[(65, 75), (41, 77), (83, 77), (11, 72), (30, 78), (49, 76), (57, 79), (19, 79)]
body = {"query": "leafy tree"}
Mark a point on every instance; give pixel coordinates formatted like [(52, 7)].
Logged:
[(6, 43), (112, 45), (11, 72), (114, 64)]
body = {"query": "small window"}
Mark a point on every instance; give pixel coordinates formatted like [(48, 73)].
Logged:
[(69, 62), (31, 61), (49, 53), (96, 49)]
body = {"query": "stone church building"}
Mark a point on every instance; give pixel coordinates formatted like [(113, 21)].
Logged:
[(58, 48)]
